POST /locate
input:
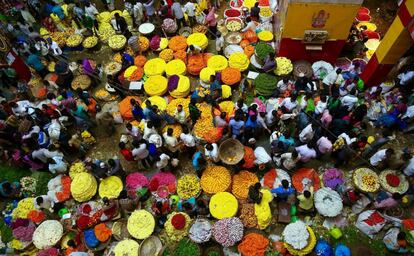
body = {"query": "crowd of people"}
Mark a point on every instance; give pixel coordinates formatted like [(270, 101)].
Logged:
[(307, 120)]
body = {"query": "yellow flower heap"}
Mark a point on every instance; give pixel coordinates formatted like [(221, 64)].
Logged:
[(83, 186), (265, 36), (188, 186), (284, 66), (249, 3), (158, 101), (204, 124), (266, 12), (167, 54), (110, 187), (128, 72), (215, 179), (217, 63), (223, 205), (206, 73), (90, 42), (23, 208), (156, 85), (127, 247), (154, 67), (172, 106), (175, 67), (117, 41), (105, 31), (76, 168), (141, 224), (183, 88), (74, 40), (198, 39), (239, 61), (177, 234), (227, 106)]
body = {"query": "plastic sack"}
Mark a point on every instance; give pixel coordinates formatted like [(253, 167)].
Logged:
[(322, 248), (342, 250), (370, 222), (118, 117), (262, 157)]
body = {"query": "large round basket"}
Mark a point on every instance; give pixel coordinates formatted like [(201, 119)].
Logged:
[(302, 67), (151, 246), (366, 180), (113, 68), (185, 31), (401, 185), (81, 81), (146, 28), (231, 151), (120, 231), (234, 38)]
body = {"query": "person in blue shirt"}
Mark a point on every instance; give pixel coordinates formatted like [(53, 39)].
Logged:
[(35, 62), (251, 122), (137, 111), (199, 163), (283, 191), (58, 11)]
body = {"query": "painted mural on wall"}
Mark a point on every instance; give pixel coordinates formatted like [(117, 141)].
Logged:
[(319, 20)]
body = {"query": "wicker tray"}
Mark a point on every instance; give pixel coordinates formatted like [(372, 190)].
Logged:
[(401, 188), (231, 151), (120, 231), (357, 177), (81, 81), (302, 67), (151, 246), (234, 38), (112, 68)]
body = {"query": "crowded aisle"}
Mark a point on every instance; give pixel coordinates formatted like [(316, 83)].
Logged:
[(177, 128)]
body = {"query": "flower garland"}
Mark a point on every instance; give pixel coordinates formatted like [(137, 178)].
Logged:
[(183, 88), (154, 67), (200, 231), (253, 244), (23, 208), (47, 234), (188, 186), (296, 235), (172, 106), (284, 66), (230, 76), (136, 180), (59, 188), (333, 178), (393, 182), (177, 225), (83, 187), (141, 224), (307, 249), (228, 232), (156, 85), (110, 187), (241, 183), (175, 67), (127, 247), (215, 179), (366, 180), (217, 63), (239, 60), (28, 186), (178, 43), (198, 39), (76, 168), (328, 202)]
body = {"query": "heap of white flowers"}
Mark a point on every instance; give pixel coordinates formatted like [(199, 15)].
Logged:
[(328, 202)]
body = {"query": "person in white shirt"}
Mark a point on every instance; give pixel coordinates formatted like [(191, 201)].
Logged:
[(321, 105), (193, 50), (44, 202), (289, 160), (132, 131), (140, 152), (20, 108), (90, 10), (162, 161), (307, 133), (138, 13), (324, 145), (261, 121), (406, 77), (171, 142), (380, 158), (251, 25), (272, 118), (178, 13), (220, 121), (350, 100), (189, 8), (409, 169), (43, 154), (211, 152), (219, 43), (149, 130), (55, 48), (348, 140), (180, 115), (330, 80), (289, 103), (241, 105), (306, 153), (283, 85), (57, 165), (189, 142)]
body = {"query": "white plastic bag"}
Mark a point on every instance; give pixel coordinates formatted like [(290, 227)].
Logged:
[(370, 222)]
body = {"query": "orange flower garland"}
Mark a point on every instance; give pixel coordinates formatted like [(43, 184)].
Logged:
[(253, 244), (178, 43), (230, 76), (196, 63), (181, 55), (64, 195), (249, 50), (36, 216), (137, 75), (140, 61), (241, 183), (102, 232)]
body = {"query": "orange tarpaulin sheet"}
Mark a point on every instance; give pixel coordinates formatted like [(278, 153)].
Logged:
[(308, 173), (125, 107)]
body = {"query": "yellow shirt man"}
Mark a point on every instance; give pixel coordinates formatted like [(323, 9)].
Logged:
[(306, 199)]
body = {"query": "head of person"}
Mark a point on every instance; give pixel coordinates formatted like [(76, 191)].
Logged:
[(136, 143), (209, 146), (201, 161), (240, 103), (295, 154), (307, 194), (105, 200), (117, 16), (185, 130), (71, 243), (133, 102), (339, 71), (128, 126), (389, 152), (170, 132), (111, 162), (353, 92), (179, 108), (397, 196), (150, 124), (212, 78), (123, 194), (218, 34), (200, 203), (285, 79), (187, 206), (121, 145), (323, 98), (192, 48), (223, 115), (285, 183), (39, 200), (401, 236), (293, 97), (248, 19), (256, 4), (148, 103)]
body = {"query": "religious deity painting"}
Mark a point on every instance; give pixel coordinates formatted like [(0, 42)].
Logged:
[(319, 20)]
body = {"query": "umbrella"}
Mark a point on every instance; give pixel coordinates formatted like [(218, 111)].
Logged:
[(343, 63)]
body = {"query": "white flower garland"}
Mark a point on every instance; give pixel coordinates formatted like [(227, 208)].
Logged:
[(296, 234), (47, 234), (328, 202)]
